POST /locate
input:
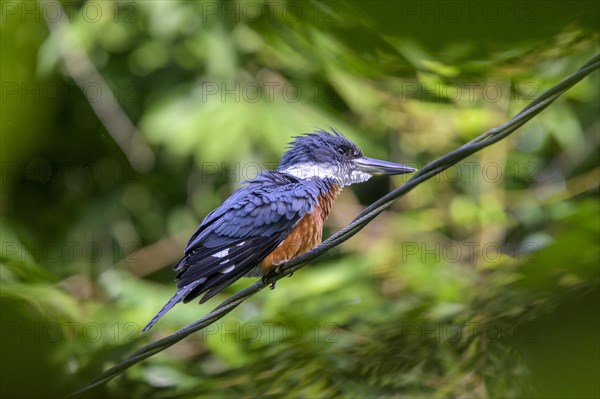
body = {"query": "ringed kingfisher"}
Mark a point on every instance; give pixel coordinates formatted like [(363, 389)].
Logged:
[(276, 217)]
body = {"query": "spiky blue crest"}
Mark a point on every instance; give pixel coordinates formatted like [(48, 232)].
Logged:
[(319, 147)]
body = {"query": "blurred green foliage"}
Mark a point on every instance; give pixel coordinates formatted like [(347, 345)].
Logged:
[(483, 282)]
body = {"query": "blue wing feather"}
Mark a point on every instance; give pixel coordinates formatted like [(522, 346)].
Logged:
[(234, 238)]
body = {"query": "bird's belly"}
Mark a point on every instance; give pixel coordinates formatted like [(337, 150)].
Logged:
[(305, 236)]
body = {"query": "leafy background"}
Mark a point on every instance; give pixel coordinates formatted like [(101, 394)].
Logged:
[(483, 282)]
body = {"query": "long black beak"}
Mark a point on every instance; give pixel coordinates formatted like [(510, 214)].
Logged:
[(378, 167)]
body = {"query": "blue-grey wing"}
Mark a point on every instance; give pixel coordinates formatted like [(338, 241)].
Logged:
[(242, 232), (233, 239)]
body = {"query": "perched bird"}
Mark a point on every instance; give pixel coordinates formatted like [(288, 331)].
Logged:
[(279, 215)]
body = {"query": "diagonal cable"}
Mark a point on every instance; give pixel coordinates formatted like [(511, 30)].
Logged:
[(437, 166)]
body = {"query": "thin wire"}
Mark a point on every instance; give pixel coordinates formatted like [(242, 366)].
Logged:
[(430, 170)]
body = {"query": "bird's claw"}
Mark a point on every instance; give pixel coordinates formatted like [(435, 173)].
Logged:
[(265, 281), (276, 270), (279, 271)]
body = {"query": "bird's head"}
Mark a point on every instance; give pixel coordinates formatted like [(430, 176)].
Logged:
[(330, 155)]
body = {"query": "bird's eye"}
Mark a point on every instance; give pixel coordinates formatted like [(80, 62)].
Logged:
[(346, 151)]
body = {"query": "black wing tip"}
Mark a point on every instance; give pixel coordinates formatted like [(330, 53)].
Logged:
[(209, 294)]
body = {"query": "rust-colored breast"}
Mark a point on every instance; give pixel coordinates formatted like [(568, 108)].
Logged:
[(305, 236)]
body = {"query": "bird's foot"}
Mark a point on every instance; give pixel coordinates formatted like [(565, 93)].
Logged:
[(279, 271), (265, 281)]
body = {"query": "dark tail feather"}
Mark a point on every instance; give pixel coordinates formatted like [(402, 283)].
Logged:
[(183, 291), (221, 283)]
